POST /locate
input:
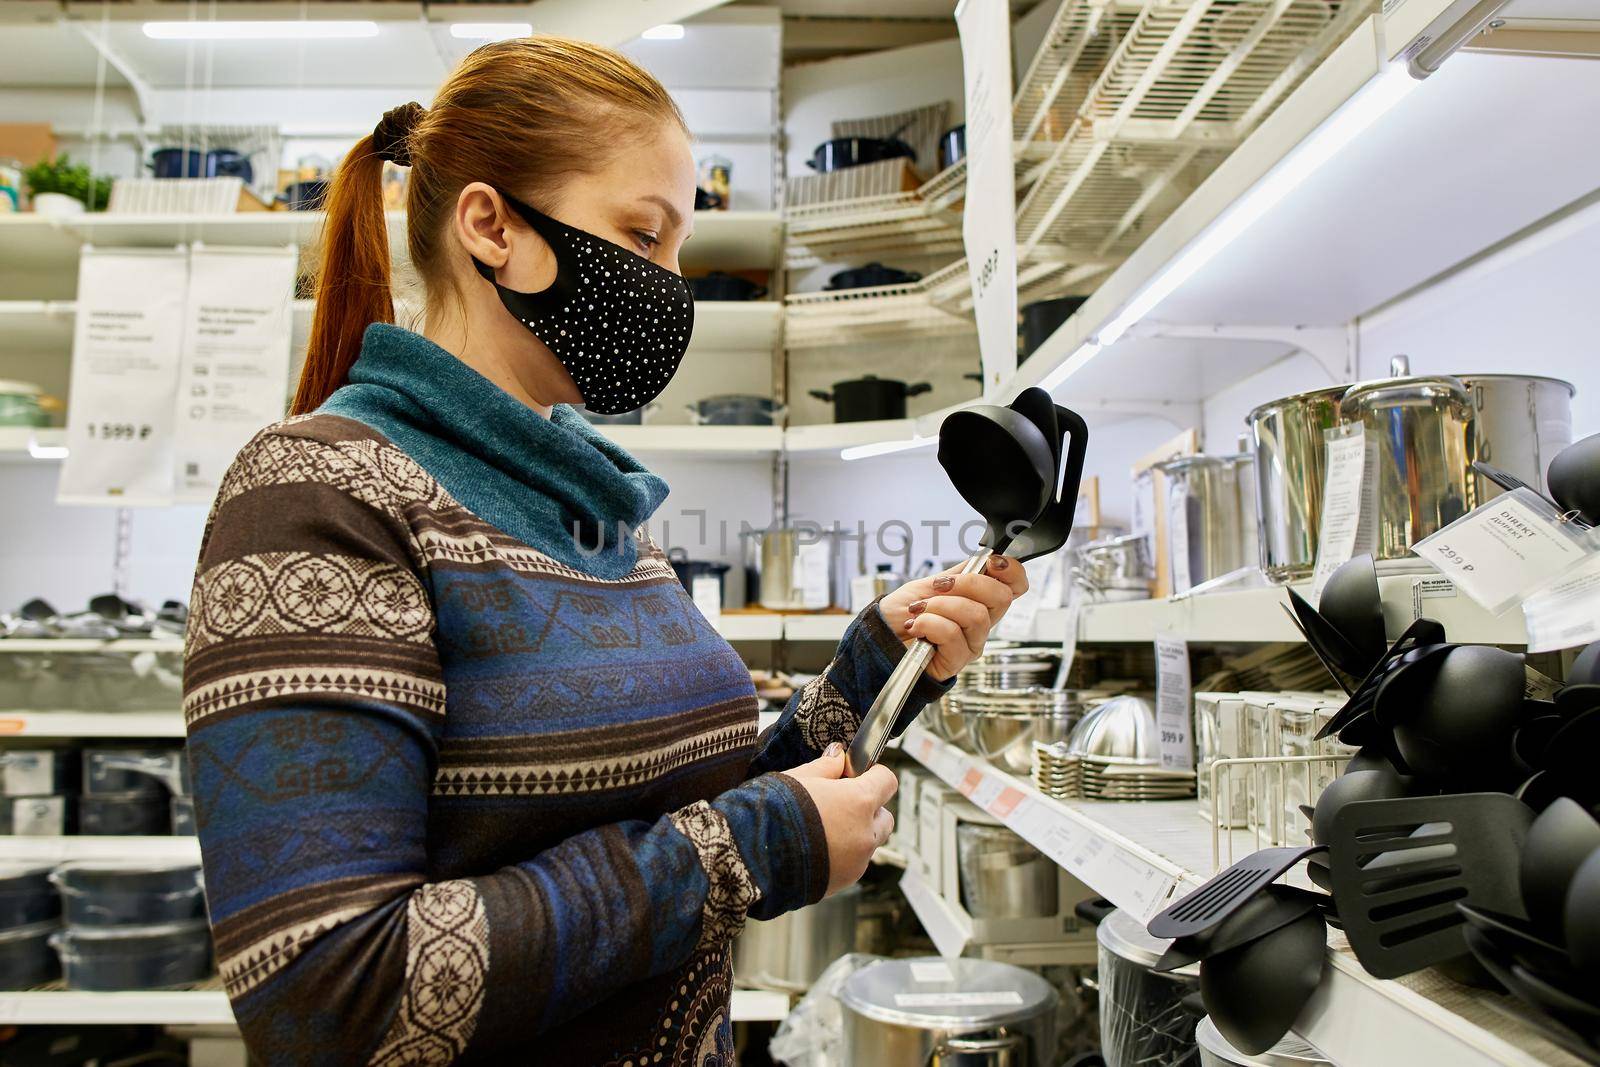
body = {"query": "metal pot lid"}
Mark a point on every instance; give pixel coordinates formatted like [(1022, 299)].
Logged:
[(1126, 938), (1291, 1051), (1119, 730), (1331, 392), (737, 398), (934, 993), (1114, 544), (1181, 463), (996, 654)]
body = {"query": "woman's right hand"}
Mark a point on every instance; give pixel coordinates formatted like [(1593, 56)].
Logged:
[(853, 815)]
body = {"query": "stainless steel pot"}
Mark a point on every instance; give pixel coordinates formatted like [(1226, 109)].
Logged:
[(794, 568), (1003, 724), (1115, 563), (1287, 442), (1215, 1051), (1006, 666), (1430, 429), (937, 1012), (1142, 1017), (790, 952), (1211, 517), (1002, 876)]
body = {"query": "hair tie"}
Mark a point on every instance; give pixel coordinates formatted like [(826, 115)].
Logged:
[(391, 137)]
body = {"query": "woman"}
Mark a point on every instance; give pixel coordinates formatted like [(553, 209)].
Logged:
[(476, 781)]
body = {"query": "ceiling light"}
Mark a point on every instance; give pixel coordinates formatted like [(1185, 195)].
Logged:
[(1346, 124), (667, 31), (884, 448), (490, 31), (286, 30)]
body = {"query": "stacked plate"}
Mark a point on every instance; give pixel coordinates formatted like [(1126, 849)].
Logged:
[(1114, 754)]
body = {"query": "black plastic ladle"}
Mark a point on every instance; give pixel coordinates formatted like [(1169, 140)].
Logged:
[(1008, 468)]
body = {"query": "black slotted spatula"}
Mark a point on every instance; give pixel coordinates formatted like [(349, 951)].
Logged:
[(1226, 892), (1400, 867)]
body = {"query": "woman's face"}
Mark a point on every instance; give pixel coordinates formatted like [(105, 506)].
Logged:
[(641, 200)]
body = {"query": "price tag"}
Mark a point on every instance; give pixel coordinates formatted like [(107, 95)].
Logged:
[(235, 373), (1500, 552), (707, 595), (987, 792), (126, 343), (813, 570), (1173, 702), (999, 999), (1566, 613), (1178, 535), (1017, 623), (1349, 522), (988, 226), (1069, 633), (1003, 805), (924, 748), (969, 781)]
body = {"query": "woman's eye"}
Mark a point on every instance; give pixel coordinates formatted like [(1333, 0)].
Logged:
[(647, 240)]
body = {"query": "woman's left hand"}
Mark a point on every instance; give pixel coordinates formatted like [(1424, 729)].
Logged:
[(954, 611)]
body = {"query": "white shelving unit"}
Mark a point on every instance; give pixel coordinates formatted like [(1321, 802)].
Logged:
[(25, 724), (159, 850), (1141, 855), (209, 1007)]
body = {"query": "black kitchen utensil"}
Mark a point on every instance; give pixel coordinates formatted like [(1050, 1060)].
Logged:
[(953, 146), (1353, 788), (1400, 866), (719, 286), (1405, 680), (1003, 467), (1275, 906), (838, 153), (1053, 526), (1420, 632), (1498, 962), (1518, 938), (1317, 871), (1575, 700), (1532, 739), (1558, 841), (1581, 918), (1255, 992), (1573, 767), (1368, 759), (1331, 645), (1226, 892), (1459, 730), (869, 398), (870, 276), (1585, 669), (1343, 679), (1566, 1005), (1574, 478), (1352, 605)]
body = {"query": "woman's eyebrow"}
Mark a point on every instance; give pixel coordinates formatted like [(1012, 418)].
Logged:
[(673, 215)]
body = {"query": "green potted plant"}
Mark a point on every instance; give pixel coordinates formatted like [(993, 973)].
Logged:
[(61, 187)]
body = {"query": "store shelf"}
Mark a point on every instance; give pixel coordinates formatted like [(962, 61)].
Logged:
[(829, 627), (174, 850), (28, 326), (701, 441), (41, 252), (750, 626), (125, 645), (921, 221), (209, 1007), (736, 325), (1258, 615), (91, 724), (827, 439), (1140, 856), (899, 313)]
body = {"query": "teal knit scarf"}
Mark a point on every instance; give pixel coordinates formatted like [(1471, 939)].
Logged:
[(555, 484)]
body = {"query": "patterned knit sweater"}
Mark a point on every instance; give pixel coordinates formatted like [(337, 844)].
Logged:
[(467, 790)]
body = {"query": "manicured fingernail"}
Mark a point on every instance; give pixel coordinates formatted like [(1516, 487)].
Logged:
[(999, 563), (916, 606), (909, 623), (833, 750), (944, 582)]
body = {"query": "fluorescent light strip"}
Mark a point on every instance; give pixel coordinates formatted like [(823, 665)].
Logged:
[(667, 31), (884, 448), (1346, 124), (285, 30), (490, 31)]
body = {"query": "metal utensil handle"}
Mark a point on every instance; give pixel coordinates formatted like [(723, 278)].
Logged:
[(873, 733), (1004, 1049)]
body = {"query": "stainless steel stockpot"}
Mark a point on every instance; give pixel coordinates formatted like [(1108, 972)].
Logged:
[(1430, 429), (1142, 1016), (1287, 441), (790, 952), (971, 1013), (1002, 876), (1213, 498)]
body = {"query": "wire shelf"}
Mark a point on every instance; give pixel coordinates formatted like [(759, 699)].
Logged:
[(856, 316)]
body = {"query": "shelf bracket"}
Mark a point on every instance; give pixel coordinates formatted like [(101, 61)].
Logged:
[(1331, 346), (120, 63)]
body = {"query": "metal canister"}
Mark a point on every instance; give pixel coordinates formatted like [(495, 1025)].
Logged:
[(1211, 517), (1286, 438), (971, 1013), (1142, 1016)]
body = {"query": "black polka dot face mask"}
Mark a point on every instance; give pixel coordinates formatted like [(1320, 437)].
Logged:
[(618, 322)]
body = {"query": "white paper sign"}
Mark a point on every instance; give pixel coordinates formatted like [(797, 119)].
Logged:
[(988, 225), (1349, 522), (1567, 613), (1506, 549), (1178, 535), (707, 596), (1173, 702), (813, 564), (126, 346), (1069, 634), (999, 999), (238, 326), (1044, 590)]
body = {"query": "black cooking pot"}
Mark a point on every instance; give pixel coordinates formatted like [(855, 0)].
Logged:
[(841, 152), (869, 397), (305, 196), (953, 145), (719, 285), (1042, 318), (870, 275), (191, 163), (688, 569), (706, 200)]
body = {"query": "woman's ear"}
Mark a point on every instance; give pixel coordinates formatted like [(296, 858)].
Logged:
[(491, 232)]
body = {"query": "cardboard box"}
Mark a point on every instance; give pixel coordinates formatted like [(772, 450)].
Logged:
[(27, 142)]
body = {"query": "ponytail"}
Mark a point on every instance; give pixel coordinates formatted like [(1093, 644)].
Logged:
[(352, 279)]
